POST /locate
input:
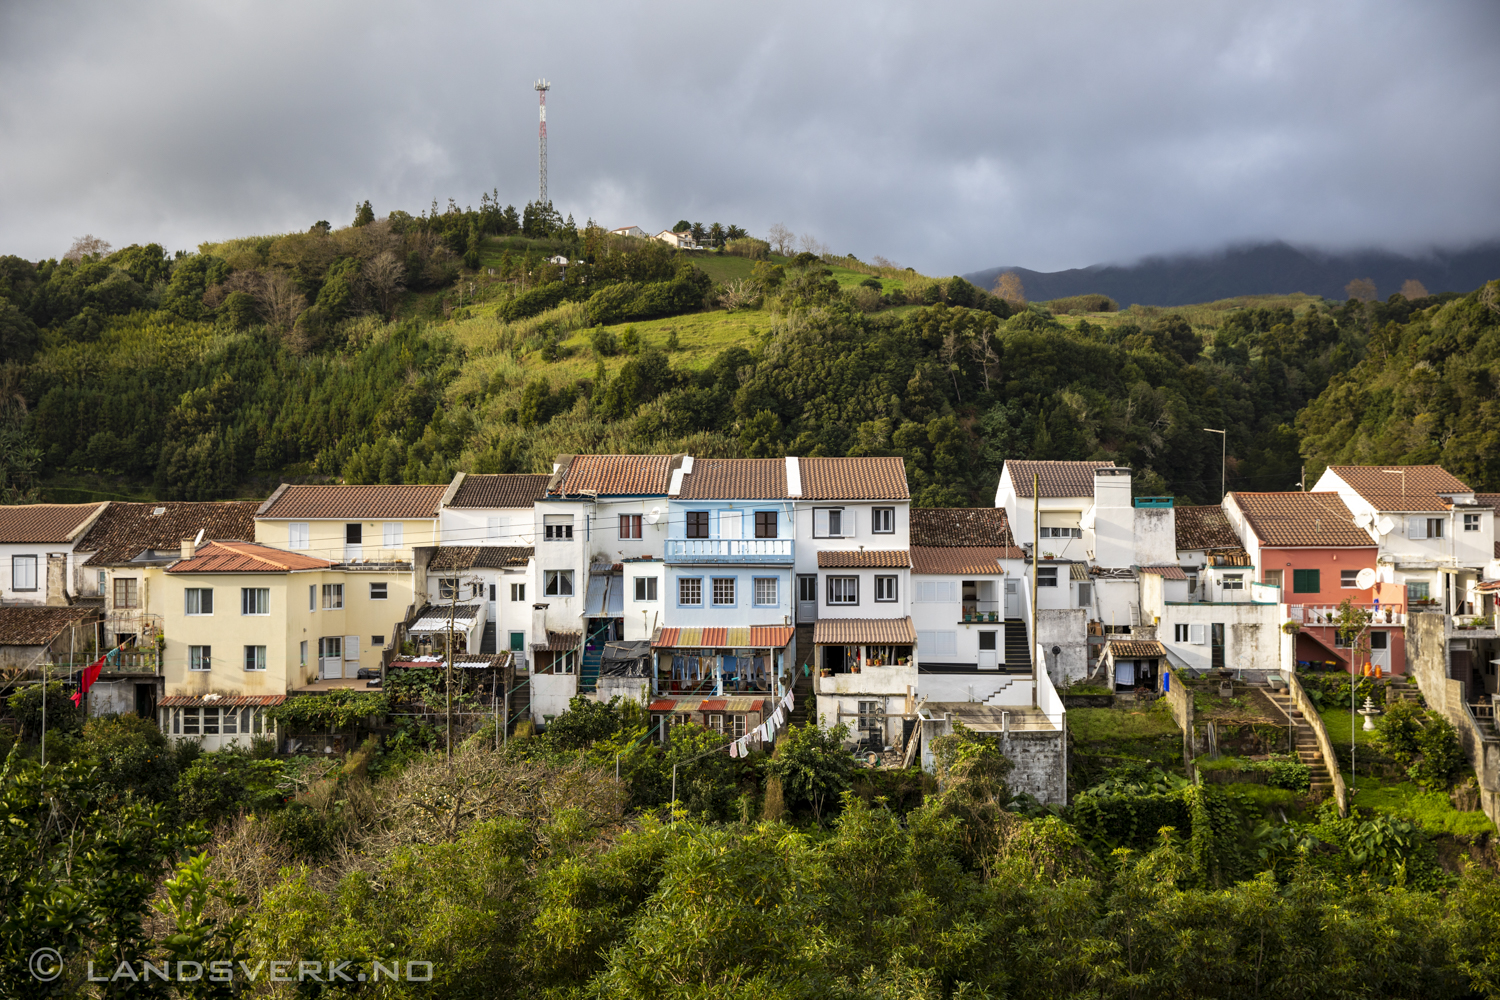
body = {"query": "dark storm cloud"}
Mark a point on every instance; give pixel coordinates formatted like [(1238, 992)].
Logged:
[(950, 137)]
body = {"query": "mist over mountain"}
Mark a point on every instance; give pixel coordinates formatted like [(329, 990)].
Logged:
[(1263, 269)]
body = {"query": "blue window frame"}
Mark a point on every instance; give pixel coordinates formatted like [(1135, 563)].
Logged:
[(690, 591)]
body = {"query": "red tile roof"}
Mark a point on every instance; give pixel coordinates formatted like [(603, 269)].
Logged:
[(352, 503), (221, 700), (125, 530), (37, 626), (753, 637), (45, 522), (245, 557), (962, 527), (1301, 519), (864, 631), (1055, 479), (1400, 487), (947, 561), (612, 475), (1137, 649), (735, 479), (1204, 527), (868, 559), (499, 491), (1165, 572), (864, 478)]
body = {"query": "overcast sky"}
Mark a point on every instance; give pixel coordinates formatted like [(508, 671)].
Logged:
[(949, 137)]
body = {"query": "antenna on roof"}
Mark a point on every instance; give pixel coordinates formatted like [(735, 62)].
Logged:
[(198, 538)]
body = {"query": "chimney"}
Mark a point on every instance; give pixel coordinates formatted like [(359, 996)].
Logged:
[(539, 623), (189, 547)]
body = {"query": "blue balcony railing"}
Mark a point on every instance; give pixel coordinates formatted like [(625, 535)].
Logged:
[(730, 550)]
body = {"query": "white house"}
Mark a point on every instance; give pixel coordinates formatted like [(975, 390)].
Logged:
[(36, 550), (629, 231), (682, 241)]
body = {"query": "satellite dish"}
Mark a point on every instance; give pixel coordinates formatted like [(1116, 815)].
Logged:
[(1363, 519), (1366, 579), (653, 515), (1385, 525)]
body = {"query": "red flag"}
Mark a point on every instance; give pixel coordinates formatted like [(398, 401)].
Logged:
[(90, 675)]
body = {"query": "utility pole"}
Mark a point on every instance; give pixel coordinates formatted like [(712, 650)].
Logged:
[(1223, 460), (1036, 555), (541, 87), (448, 665)]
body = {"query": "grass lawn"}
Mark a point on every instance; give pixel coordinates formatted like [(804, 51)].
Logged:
[(1408, 800), (723, 267), (1091, 724), (1337, 722)]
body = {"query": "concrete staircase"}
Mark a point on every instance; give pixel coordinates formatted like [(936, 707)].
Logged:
[(998, 698), (520, 700), (487, 640), (1305, 744), (588, 674), (1017, 646), (1402, 689), (803, 708)]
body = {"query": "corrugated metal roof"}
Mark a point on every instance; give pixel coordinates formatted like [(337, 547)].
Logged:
[(864, 631), (245, 557), (435, 618), (868, 559), (947, 561), (752, 637), (352, 503), (732, 704)]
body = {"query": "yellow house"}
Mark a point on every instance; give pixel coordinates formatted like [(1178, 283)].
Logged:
[(352, 524), (245, 625)]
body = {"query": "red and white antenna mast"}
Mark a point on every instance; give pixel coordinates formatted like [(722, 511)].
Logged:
[(542, 86)]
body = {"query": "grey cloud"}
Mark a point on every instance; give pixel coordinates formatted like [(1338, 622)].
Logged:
[(947, 136)]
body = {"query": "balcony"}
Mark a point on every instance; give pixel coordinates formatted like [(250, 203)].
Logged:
[(766, 551), (1327, 614)]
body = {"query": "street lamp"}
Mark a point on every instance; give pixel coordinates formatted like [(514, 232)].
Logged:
[(1223, 458)]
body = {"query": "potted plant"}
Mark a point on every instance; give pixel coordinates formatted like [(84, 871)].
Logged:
[(1291, 628)]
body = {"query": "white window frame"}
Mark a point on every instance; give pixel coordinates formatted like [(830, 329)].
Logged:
[(1232, 581), (883, 521), (1434, 527), (1471, 522), (312, 597), (557, 527), (518, 592), (253, 599), (333, 596), (384, 594), (298, 535), (645, 588), (1180, 632), (764, 599), (194, 608), (823, 518), (938, 642), (255, 658), (1198, 635), (559, 582), (23, 568), (1046, 576), (494, 528), (1348, 579), (391, 534), (200, 658), (447, 588), (886, 583)]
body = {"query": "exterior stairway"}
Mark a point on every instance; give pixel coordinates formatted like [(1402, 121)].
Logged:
[(1017, 646), (803, 708), (588, 675), (1401, 688), (998, 698), (520, 699), (487, 640), (1306, 744)]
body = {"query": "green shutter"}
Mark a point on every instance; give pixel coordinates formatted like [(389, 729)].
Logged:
[(1305, 581)]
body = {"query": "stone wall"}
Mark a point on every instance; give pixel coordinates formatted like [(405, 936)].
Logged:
[(1427, 664), (1040, 759), (1067, 632)]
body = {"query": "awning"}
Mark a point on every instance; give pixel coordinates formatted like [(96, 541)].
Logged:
[(864, 632), (606, 597), (221, 700), (1166, 572), (752, 637), (435, 619), (1078, 571), (1137, 649), (735, 704)]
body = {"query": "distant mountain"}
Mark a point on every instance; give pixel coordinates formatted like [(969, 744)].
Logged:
[(1267, 269)]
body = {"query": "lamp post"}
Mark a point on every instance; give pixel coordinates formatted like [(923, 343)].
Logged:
[(1223, 459)]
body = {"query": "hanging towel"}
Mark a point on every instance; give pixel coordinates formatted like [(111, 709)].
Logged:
[(734, 749)]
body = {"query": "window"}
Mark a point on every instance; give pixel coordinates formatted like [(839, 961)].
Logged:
[(102, 577), (731, 523), (1179, 633), (736, 726), (127, 593), (630, 526), (200, 657), (297, 535), (494, 528), (1085, 595), (987, 641), (883, 520), (255, 601), (492, 593), (885, 588), (690, 591), (331, 647), (807, 589), (724, 591), (1198, 634), (1234, 581), (697, 524), (354, 534), (447, 588), (255, 657), (559, 583), (1471, 522), (333, 596), (934, 592), (557, 527), (390, 535), (1305, 581), (829, 522), (379, 591), (766, 524), (1349, 579), (377, 641), (518, 592), (872, 720), (1434, 527), (1046, 576), (645, 588), (933, 644), (1272, 577), (476, 590), (189, 722), (312, 597), (1417, 592), (843, 590), (766, 592), (716, 723), (302, 653), (1061, 532), (199, 601), (23, 572)]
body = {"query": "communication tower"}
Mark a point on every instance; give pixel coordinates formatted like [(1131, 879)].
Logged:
[(541, 88)]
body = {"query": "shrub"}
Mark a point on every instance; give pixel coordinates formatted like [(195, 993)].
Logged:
[(132, 756), (217, 785), (1083, 303), (604, 342), (62, 715), (812, 766), (1442, 754), (749, 247), (1399, 730), (631, 342)]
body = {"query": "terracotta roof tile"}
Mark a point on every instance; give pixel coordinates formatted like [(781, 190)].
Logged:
[(1166, 572), (37, 626), (353, 502), (868, 559), (125, 530), (245, 557), (559, 642), (1400, 487), (45, 522), (462, 557), (948, 560), (500, 491), (1204, 527), (864, 631), (614, 475), (1137, 649), (1301, 519), (963, 527), (221, 700), (735, 479), (1055, 479), (1488, 500), (863, 478), (753, 637)]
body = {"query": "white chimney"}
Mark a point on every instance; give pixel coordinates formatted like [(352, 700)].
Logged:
[(189, 547)]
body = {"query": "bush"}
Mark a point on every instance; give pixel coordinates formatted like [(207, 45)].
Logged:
[(812, 766), (1442, 756), (540, 299), (749, 247), (62, 715), (604, 342), (218, 785), (1399, 731), (132, 756), (1083, 303)]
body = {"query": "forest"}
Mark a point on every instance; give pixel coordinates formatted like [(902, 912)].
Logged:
[(407, 347)]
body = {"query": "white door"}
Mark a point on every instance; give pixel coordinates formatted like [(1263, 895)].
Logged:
[(1380, 651), (807, 597), (330, 657), (1012, 598), (988, 652), (351, 655)]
